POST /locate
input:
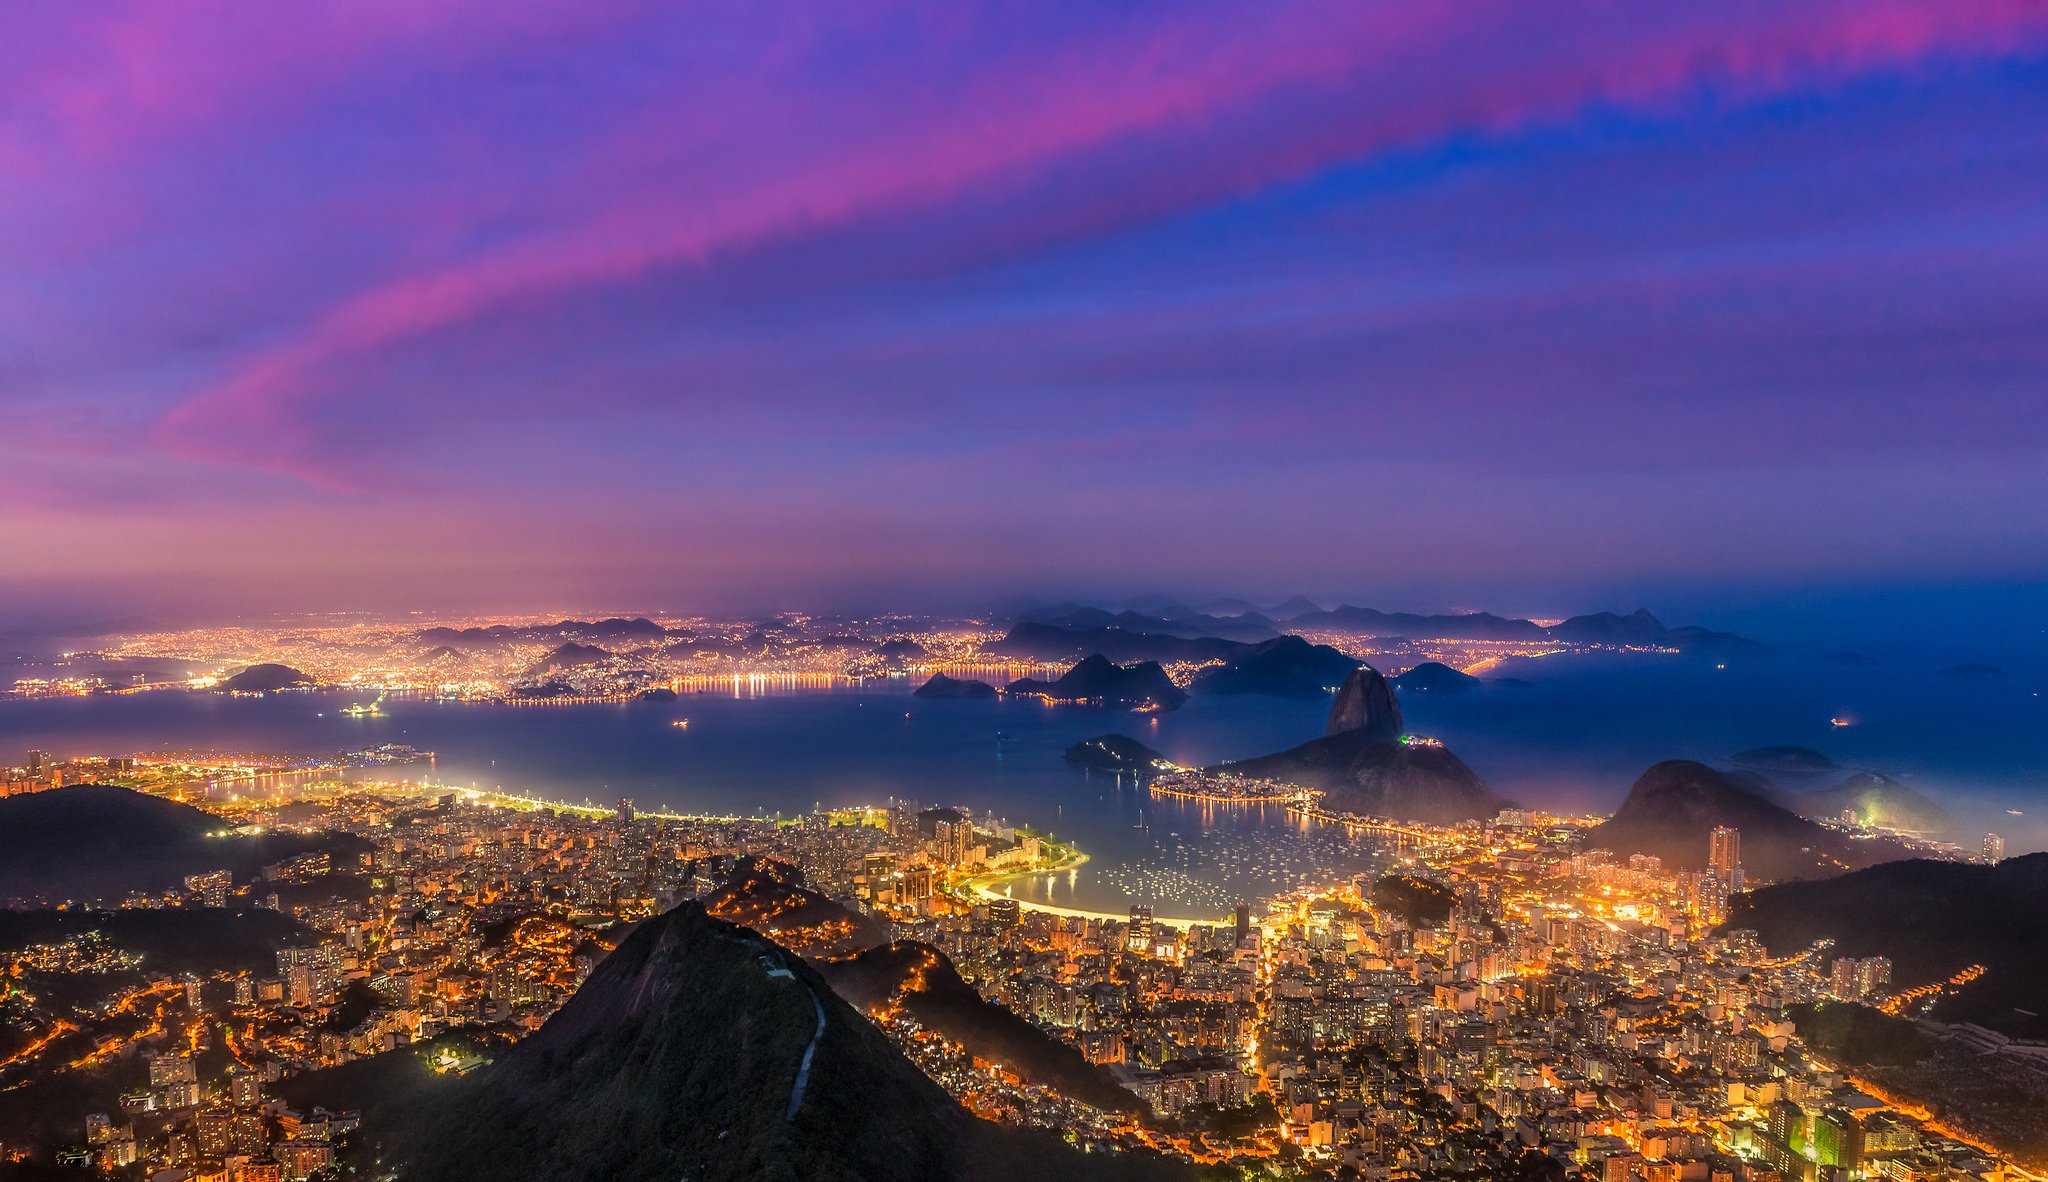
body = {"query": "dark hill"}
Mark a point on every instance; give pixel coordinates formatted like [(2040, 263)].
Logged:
[(1975, 672), (1784, 759), (1115, 753), (902, 649), (701, 1050), (1638, 627), (1675, 805), (264, 679), (1098, 680), (771, 897), (1362, 765), (569, 656), (1931, 919), (919, 980), (1365, 702), (942, 686), (1286, 666), (1433, 677), (1879, 802), (1359, 773), (1418, 900), (97, 841)]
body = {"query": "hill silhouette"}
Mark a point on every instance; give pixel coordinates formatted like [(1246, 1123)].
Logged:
[(1878, 802), (1099, 680), (1434, 677), (1286, 666), (922, 982), (99, 841), (1363, 766), (942, 686), (1675, 805), (1931, 919), (264, 679), (770, 897), (702, 1050), (1114, 753)]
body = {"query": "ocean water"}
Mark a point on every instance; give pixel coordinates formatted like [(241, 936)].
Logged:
[(1576, 735)]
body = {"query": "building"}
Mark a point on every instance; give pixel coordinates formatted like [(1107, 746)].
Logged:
[(1994, 848), (1724, 850), (1139, 937), (1005, 913)]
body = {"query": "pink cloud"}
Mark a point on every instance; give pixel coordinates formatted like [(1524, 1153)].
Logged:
[(1138, 113)]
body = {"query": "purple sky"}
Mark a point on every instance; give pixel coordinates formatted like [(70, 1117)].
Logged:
[(1512, 305)]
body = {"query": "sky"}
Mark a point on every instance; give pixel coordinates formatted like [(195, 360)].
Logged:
[(1465, 304)]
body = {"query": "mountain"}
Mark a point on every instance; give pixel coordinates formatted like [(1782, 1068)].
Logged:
[(902, 649), (1365, 702), (1099, 680), (1931, 919), (1784, 759), (700, 1050), (1364, 765), (1286, 667), (1639, 627), (1461, 626), (264, 679), (770, 897), (1975, 672), (1115, 753), (1433, 677), (1879, 802), (569, 655), (1294, 609), (1643, 629), (919, 980), (1673, 807), (1034, 641), (942, 686), (98, 841)]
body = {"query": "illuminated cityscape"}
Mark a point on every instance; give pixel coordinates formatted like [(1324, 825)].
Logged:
[(985, 592)]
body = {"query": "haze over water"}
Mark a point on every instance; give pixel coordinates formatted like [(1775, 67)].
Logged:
[(1574, 737)]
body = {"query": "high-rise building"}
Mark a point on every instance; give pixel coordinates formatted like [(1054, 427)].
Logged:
[(1994, 848), (626, 809), (1244, 920), (40, 765), (1724, 850), (1139, 937), (1006, 913)]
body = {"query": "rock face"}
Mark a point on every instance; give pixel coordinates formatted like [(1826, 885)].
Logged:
[(1097, 679), (1115, 753), (701, 1050), (1675, 805), (1433, 677), (942, 686), (1286, 666), (1365, 703)]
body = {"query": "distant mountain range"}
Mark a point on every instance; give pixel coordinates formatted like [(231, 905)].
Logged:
[(702, 1050), (1363, 765), (1097, 679), (98, 841), (1135, 636), (1675, 805), (1930, 919)]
